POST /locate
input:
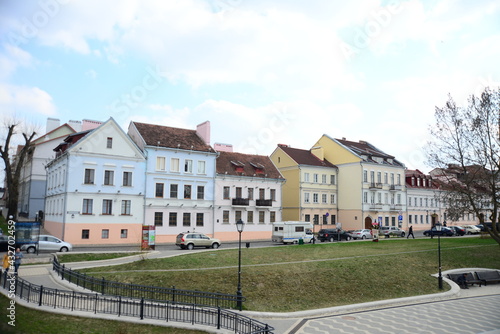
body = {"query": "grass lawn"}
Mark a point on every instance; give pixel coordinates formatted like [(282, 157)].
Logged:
[(32, 321), (301, 277), (66, 258)]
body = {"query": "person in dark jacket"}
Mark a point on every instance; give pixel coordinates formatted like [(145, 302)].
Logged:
[(410, 232)]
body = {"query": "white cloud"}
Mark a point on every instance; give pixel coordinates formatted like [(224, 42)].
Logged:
[(28, 100)]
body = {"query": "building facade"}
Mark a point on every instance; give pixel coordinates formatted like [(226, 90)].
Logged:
[(95, 188)]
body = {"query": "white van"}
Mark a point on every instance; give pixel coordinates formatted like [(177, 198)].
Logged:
[(292, 232)]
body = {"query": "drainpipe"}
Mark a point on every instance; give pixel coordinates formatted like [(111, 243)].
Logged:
[(65, 198)]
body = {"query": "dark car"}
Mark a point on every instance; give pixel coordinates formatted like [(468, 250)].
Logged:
[(332, 234), (458, 230), (4, 243), (445, 231)]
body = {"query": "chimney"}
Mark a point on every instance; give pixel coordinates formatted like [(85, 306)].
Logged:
[(223, 147), (52, 124), (76, 125), (203, 130), (88, 124)]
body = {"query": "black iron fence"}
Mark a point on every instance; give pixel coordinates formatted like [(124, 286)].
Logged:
[(162, 294), (138, 308)]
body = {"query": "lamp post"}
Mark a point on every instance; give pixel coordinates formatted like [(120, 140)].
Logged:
[(239, 226), (439, 228)]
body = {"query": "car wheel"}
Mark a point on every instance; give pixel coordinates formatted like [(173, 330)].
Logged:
[(402, 235), (426, 234), (363, 237), (348, 239), (31, 250), (215, 245), (468, 233), (190, 246), (331, 239), (64, 249)]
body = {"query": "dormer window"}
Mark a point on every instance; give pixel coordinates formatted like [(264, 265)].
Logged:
[(259, 168), (238, 166)]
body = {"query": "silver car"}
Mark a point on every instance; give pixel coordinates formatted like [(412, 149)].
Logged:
[(47, 243), (362, 234)]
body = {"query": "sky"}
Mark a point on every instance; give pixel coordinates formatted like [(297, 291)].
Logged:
[(263, 72)]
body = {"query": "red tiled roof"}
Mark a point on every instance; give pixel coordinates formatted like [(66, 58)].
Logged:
[(233, 163), (305, 157), (165, 136)]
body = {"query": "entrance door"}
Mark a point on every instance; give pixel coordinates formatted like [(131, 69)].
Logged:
[(368, 223)]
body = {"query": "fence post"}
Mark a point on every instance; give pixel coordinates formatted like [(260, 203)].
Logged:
[(218, 317), (62, 272), (4, 279), (95, 305), (55, 299), (119, 305), (41, 294), (103, 283), (73, 300), (142, 308), (173, 294)]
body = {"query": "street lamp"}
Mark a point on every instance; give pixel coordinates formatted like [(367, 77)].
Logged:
[(439, 228), (239, 226)]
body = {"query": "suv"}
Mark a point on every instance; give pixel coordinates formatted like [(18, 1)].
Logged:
[(332, 234), (191, 240), (392, 230)]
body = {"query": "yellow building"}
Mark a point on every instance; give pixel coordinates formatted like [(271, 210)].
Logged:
[(371, 184), (310, 192)]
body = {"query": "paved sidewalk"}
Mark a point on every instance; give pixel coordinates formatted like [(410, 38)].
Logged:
[(436, 313)]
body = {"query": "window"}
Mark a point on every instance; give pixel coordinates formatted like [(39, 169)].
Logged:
[(379, 177), (172, 219), (372, 176), (325, 219), (226, 193), (409, 219), (324, 198), (372, 198), (392, 178), (85, 234), (109, 175), (261, 217), (237, 215), (187, 191), (250, 217), (201, 167), (307, 218), (87, 206), (238, 192), (123, 233), (158, 218), (315, 198), (365, 176), (174, 165), (104, 234), (107, 206), (188, 166), (332, 198), (306, 177), (159, 190), (160, 163), (173, 191), (398, 200), (250, 193), (306, 198), (399, 179), (199, 219), (365, 197), (186, 219), (334, 219), (262, 193), (385, 178), (272, 216), (323, 178), (200, 192), (316, 219), (379, 199), (332, 179), (273, 194), (89, 176), (109, 142), (127, 179), (225, 216), (126, 204), (315, 178), (409, 201)]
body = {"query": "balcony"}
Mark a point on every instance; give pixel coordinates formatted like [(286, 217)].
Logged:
[(264, 202), (374, 185), (240, 201), (395, 187)]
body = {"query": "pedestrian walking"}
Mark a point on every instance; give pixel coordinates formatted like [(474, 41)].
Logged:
[(410, 232), (5, 263), (17, 260)]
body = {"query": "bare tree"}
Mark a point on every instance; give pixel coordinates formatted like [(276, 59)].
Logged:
[(13, 164), (465, 152)]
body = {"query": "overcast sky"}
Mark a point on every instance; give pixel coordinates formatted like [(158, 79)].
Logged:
[(262, 72)]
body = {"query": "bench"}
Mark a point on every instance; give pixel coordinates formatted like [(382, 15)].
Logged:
[(470, 278), (492, 276)]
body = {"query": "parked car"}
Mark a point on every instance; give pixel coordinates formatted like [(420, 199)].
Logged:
[(47, 243), (4, 243), (191, 240), (457, 230), (332, 234), (481, 227), (445, 231), (392, 230), (471, 229), (361, 234)]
